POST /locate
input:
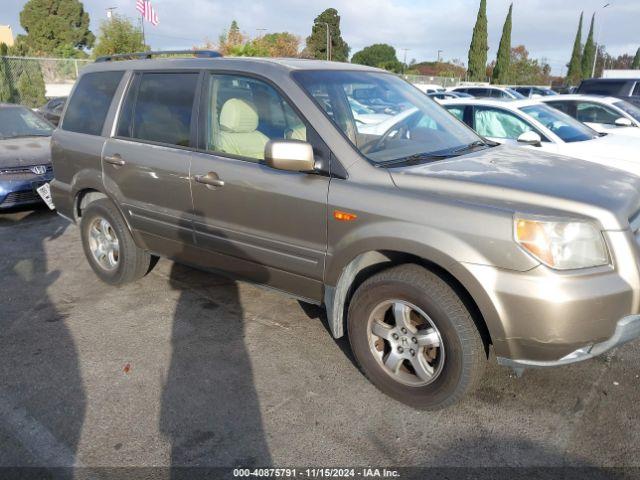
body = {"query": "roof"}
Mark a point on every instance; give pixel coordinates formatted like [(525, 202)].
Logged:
[(227, 63), (513, 104), (578, 96)]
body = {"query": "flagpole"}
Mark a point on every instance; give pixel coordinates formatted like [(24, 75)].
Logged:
[(144, 40)]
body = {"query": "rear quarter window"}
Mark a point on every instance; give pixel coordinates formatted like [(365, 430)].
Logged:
[(90, 102), (603, 88)]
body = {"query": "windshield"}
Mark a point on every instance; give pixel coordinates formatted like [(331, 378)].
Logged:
[(412, 127), (21, 122), (568, 129), (629, 108), (514, 93)]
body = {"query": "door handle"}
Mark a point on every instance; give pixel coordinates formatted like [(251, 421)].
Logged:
[(115, 160), (211, 179)]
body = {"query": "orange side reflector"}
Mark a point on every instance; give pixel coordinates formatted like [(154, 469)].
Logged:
[(344, 216)]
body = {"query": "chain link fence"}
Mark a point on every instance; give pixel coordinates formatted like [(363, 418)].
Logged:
[(30, 80)]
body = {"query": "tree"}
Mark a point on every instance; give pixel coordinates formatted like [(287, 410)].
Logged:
[(231, 41), (479, 46), (6, 87), (31, 88), (636, 61), (589, 52), (527, 71), (52, 24), (379, 55), (283, 44), (574, 75), (317, 41), (501, 70), (119, 35)]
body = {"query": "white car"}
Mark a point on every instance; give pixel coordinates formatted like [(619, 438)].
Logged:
[(603, 114), (534, 124), (364, 115), (429, 88), (383, 127)]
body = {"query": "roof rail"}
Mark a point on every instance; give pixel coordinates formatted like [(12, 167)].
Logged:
[(149, 55)]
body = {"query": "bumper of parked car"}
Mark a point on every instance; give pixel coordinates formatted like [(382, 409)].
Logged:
[(20, 190), (544, 318)]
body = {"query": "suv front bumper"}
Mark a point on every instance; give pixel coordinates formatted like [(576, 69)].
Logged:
[(627, 329)]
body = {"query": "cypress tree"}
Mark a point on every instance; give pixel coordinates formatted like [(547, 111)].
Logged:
[(636, 61), (574, 75), (588, 55), (477, 70), (501, 73)]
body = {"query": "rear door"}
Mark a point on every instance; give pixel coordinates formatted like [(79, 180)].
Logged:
[(267, 225), (146, 163)]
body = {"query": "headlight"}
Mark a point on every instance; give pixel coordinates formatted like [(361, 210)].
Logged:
[(562, 245)]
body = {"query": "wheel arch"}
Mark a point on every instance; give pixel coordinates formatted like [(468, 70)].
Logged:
[(368, 263), (90, 193)]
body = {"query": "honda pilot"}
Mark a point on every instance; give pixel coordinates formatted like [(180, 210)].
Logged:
[(427, 245)]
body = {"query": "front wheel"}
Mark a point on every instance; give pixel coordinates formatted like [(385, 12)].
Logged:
[(414, 338)]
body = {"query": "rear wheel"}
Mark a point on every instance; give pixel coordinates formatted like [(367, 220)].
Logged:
[(414, 338), (109, 247)]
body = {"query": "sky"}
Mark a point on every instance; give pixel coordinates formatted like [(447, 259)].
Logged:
[(546, 27)]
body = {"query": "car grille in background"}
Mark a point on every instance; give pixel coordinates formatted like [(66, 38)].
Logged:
[(17, 198), (22, 170)]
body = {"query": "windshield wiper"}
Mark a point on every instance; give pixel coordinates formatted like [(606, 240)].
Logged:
[(471, 146), (413, 159)]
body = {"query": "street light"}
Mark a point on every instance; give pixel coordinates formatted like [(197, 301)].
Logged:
[(404, 64), (440, 52), (595, 54), (110, 12)]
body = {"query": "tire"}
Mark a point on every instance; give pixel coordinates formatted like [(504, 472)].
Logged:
[(130, 263), (436, 315)]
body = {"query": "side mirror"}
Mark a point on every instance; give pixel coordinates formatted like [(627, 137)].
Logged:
[(530, 138), (291, 155), (623, 122)]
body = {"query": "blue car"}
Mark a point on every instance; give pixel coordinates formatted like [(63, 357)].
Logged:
[(25, 156)]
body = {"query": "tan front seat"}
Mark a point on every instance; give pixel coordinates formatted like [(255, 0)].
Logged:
[(238, 134)]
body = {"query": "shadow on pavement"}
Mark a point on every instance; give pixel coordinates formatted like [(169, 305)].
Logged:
[(210, 410), (42, 400)]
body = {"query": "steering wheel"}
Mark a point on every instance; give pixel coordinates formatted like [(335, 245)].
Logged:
[(402, 127)]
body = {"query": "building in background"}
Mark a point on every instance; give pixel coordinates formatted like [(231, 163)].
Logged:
[(6, 35)]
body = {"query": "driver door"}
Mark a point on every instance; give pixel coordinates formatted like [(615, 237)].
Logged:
[(256, 222)]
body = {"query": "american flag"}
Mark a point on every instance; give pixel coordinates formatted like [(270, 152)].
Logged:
[(147, 11)]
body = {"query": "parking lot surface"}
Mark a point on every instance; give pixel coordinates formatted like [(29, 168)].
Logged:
[(190, 368)]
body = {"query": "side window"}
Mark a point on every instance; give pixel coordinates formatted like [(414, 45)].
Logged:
[(561, 106), (457, 112), (90, 102), (242, 114), (491, 122), (158, 108), (595, 113)]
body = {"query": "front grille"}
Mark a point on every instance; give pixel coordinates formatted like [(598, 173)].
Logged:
[(22, 170), (17, 198)]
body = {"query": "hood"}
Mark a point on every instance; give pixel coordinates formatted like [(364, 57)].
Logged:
[(518, 178), (612, 150), (24, 152)]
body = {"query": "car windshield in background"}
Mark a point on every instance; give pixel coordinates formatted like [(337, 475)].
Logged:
[(568, 129), (629, 108), (515, 93), (407, 127), (18, 122)]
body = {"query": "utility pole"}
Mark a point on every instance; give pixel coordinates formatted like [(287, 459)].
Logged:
[(404, 63), (328, 41), (595, 54)]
